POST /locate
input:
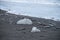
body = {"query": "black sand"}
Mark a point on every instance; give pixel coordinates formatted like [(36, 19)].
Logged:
[(9, 30)]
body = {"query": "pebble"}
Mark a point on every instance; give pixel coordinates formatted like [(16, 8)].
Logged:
[(51, 25), (47, 26)]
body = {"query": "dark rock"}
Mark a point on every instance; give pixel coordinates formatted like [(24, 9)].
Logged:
[(42, 36), (57, 28), (21, 29), (43, 24)]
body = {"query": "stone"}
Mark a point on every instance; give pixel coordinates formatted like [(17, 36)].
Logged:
[(47, 26), (51, 25)]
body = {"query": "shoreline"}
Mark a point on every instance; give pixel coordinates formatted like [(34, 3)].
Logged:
[(15, 13), (16, 17)]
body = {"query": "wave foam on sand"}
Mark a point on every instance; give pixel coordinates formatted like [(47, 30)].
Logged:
[(14, 12)]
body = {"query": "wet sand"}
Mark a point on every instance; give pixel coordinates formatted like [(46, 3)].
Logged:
[(9, 30)]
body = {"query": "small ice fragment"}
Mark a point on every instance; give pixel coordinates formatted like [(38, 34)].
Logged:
[(35, 29), (39, 22)]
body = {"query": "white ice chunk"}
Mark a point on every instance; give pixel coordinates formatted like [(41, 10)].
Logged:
[(24, 21), (35, 29), (39, 22)]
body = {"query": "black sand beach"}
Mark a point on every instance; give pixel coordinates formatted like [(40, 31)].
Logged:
[(9, 30)]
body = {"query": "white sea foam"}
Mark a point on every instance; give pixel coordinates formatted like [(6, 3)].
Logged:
[(15, 12)]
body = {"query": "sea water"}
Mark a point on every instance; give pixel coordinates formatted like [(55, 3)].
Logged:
[(30, 9)]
